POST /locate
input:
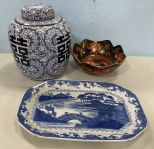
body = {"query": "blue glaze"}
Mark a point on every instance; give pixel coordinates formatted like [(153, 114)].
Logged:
[(109, 114), (81, 110)]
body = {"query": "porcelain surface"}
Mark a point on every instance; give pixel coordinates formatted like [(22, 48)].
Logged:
[(40, 42), (98, 57), (81, 111)]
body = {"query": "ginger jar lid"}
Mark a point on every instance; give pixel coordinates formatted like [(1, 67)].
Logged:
[(38, 14)]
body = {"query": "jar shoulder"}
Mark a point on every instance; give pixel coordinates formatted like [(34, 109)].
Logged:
[(56, 20), (16, 24), (59, 28)]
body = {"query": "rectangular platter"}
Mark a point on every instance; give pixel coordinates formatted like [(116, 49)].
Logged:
[(81, 111)]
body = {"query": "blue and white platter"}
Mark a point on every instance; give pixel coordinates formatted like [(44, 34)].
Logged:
[(81, 111)]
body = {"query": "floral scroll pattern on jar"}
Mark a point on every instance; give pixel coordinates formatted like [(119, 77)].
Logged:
[(40, 42)]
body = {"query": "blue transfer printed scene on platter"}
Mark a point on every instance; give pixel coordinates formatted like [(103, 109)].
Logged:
[(81, 110), (86, 110)]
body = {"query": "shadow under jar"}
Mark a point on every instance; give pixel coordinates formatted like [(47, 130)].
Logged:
[(40, 42)]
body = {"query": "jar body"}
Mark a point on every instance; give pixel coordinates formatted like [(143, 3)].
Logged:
[(41, 52)]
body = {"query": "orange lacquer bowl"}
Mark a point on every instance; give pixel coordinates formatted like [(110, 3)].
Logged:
[(98, 57)]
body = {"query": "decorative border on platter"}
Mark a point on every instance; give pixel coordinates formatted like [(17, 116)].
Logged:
[(35, 90)]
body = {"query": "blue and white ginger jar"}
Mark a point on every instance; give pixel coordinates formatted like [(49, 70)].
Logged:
[(40, 42)]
